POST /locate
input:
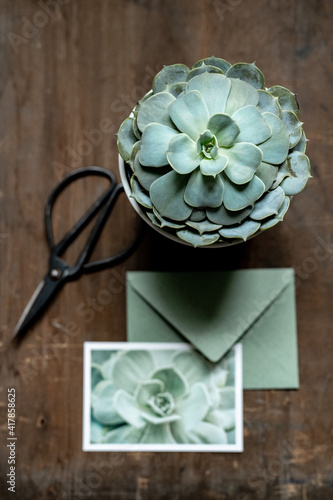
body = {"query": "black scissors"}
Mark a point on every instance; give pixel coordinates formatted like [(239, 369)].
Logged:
[(59, 271)]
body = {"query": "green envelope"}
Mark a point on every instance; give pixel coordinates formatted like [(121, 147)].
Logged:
[(214, 310)]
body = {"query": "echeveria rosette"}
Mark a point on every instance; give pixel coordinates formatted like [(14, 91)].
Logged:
[(162, 397), (215, 155)]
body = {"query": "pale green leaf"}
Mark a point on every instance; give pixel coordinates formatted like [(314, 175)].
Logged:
[(182, 154), (126, 139), (269, 103), (204, 433), (275, 149), (138, 194), (253, 126), (194, 407), (125, 434), (193, 366), (204, 226), (224, 419), (224, 128), (203, 190), (169, 75), (165, 222), (241, 94), (167, 195), (157, 434), (225, 217), (103, 408), (130, 368), (147, 389), (243, 231), (154, 144), (214, 89), (201, 70), (268, 205), (214, 61), (213, 166), (267, 173), (173, 380), (272, 221), (190, 114), (298, 165), (237, 197), (301, 145), (196, 239), (294, 127), (287, 99), (248, 73), (128, 409), (154, 110), (243, 159)]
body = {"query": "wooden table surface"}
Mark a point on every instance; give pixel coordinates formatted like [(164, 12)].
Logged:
[(70, 73)]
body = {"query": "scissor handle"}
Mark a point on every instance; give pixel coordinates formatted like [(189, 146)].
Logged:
[(86, 218)]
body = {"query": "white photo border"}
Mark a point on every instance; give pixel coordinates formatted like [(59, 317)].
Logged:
[(88, 347)]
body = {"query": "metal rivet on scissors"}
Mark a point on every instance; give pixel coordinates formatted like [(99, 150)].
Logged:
[(59, 271)]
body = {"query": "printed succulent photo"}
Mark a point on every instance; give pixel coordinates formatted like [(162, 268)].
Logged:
[(155, 396)]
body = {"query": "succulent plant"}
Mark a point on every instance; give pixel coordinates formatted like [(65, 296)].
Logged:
[(141, 396), (215, 156)]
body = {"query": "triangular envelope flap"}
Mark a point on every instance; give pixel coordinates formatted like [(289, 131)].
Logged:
[(211, 310)]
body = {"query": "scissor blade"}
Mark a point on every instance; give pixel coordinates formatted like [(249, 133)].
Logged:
[(39, 300)]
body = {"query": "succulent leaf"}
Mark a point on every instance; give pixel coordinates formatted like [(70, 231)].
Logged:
[(227, 218), (147, 175), (298, 166), (203, 190), (224, 128), (214, 61), (202, 69), (190, 114), (294, 127), (268, 205), (174, 381), (126, 139), (182, 154), (275, 149), (154, 144), (272, 221), (243, 231), (139, 194), (214, 89), (241, 94), (268, 102), (301, 145), (165, 222), (243, 159), (249, 73), (168, 75), (167, 195), (155, 110), (204, 226), (213, 166), (237, 197), (267, 173), (253, 126), (287, 99), (196, 239), (128, 409)]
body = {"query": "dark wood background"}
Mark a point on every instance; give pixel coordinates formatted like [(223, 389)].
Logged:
[(68, 68)]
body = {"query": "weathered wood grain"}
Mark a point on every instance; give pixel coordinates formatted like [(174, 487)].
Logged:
[(70, 72)]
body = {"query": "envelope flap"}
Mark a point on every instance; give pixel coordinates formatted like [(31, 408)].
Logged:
[(212, 310)]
